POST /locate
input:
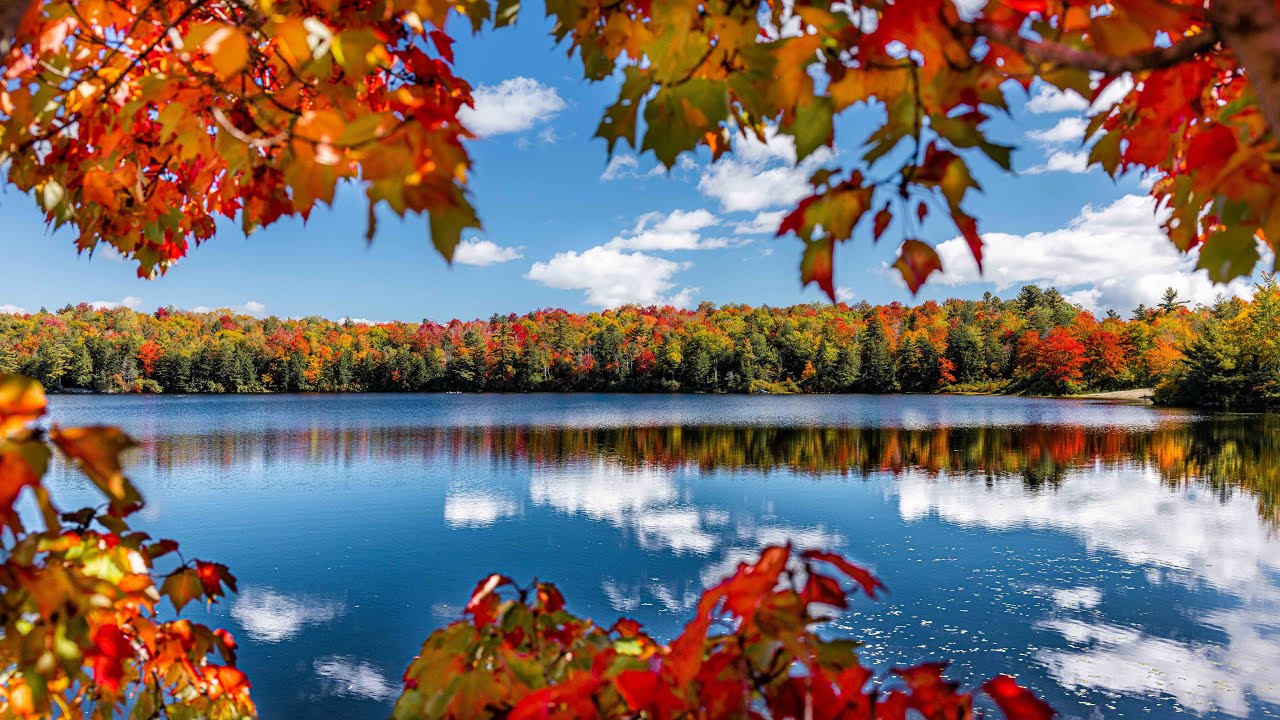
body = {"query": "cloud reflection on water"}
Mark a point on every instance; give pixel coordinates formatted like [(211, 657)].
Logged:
[(1181, 535), (347, 677), (271, 617)]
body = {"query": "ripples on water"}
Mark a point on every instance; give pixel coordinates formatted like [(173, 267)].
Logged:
[(1121, 559)]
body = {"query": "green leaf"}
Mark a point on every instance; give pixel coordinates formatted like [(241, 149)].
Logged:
[(1106, 152), (1230, 253), (447, 225), (812, 127), (678, 118)]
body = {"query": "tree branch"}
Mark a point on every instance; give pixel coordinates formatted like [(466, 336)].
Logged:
[(1070, 56)]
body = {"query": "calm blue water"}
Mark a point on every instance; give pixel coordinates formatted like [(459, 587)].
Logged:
[(1121, 560)]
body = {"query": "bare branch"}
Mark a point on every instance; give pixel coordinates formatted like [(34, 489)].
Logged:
[(1056, 53)]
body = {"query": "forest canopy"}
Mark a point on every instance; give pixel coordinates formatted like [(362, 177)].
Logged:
[(1226, 355)]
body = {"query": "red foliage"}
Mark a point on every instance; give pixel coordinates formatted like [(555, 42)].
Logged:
[(524, 656), (1054, 362)]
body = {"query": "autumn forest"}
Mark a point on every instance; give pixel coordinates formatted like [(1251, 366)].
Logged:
[(1034, 343)]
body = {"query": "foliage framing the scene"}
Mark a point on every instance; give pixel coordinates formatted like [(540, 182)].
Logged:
[(752, 650), (141, 124), (80, 592)]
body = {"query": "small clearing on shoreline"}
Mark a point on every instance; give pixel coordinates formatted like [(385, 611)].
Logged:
[(1134, 394)]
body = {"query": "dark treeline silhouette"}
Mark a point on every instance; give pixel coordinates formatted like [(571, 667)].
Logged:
[(1225, 355)]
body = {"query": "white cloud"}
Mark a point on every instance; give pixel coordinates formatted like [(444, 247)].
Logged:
[(108, 252), (624, 165), (354, 678), (484, 252), (8, 309), (1112, 94), (1060, 161), (248, 307), (1049, 99), (681, 230), (757, 175), (1067, 130), (513, 105), (129, 301), (271, 617), (1112, 257), (476, 509), (764, 222), (611, 277), (844, 294)]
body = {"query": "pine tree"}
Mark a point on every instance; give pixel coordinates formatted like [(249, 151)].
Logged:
[(877, 375)]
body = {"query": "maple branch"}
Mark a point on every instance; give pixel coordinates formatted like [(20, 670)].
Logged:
[(1084, 59)]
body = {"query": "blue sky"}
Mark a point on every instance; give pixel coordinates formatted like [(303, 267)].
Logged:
[(564, 227)]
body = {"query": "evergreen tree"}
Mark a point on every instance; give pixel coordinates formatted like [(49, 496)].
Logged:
[(965, 351), (877, 371)]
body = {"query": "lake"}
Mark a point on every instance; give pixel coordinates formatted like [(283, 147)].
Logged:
[(1122, 560)]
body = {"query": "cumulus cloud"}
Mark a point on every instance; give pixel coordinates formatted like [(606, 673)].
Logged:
[(844, 294), (1068, 129), (761, 175), (1060, 161), (764, 222), (271, 617), (681, 230), (484, 252), (8, 309), (129, 301), (1049, 99), (511, 106), (1111, 257), (612, 277), (345, 676), (248, 307), (624, 165)]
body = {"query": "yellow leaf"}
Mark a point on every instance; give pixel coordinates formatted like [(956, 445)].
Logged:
[(22, 400), (228, 50)]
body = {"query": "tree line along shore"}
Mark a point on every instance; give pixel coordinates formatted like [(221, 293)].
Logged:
[(1224, 355)]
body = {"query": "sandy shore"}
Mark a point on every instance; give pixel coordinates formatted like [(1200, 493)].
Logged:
[(1135, 394)]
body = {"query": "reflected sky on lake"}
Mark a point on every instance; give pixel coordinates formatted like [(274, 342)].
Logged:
[(1122, 560)]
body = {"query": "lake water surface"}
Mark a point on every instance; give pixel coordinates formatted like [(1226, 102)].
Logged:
[(1124, 561)]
